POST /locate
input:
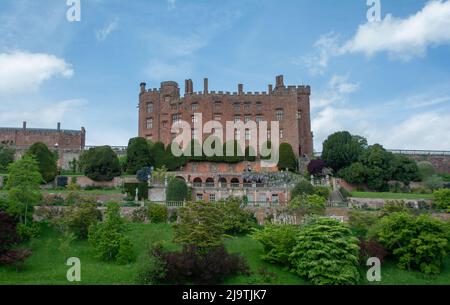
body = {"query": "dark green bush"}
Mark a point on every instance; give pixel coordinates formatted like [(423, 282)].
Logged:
[(177, 190), (101, 164), (302, 188), (287, 161), (138, 155), (46, 161), (157, 213)]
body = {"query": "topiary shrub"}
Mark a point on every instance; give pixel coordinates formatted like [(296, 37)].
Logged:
[(287, 161), (138, 155), (46, 161), (177, 190), (157, 213), (326, 253), (278, 242)]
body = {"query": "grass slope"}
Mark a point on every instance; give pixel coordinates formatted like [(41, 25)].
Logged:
[(47, 264)]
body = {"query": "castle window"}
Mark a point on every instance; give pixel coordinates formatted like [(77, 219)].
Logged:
[(212, 197), (269, 134), (194, 119), (176, 118), (258, 106), (281, 133), (194, 107), (299, 114), (217, 117), (149, 107), (259, 119), (150, 137), (247, 119), (247, 107), (167, 99), (149, 123), (164, 124), (237, 107), (247, 135), (280, 115), (237, 118), (217, 106)]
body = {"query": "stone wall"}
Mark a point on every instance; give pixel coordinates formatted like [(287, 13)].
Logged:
[(440, 163)]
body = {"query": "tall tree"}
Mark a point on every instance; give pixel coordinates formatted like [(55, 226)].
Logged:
[(23, 184), (342, 149), (138, 155), (101, 164)]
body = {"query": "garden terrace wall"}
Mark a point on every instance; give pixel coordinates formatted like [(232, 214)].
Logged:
[(380, 203)]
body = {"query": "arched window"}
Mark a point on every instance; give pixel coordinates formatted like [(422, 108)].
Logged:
[(198, 182)]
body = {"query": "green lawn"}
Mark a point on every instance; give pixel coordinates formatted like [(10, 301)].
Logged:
[(374, 195), (47, 264)]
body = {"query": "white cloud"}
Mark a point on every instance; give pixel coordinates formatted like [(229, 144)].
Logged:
[(23, 71), (400, 38), (337, 92), (104, 32), (427, 130), (395, 124), (326, 47), (404, 38)]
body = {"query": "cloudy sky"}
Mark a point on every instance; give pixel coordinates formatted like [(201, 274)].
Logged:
[(388, 81)]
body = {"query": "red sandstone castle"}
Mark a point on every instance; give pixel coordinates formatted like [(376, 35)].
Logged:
[(290, 105), (23, 138)]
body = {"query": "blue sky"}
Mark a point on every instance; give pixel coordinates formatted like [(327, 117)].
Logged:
[(388, 80)]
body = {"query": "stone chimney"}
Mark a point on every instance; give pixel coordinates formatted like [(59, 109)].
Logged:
[(205, 85), (240, 88), (24, 125), (280, 81), (270, 89), (189, 86), (143, 87), (58, 127)]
